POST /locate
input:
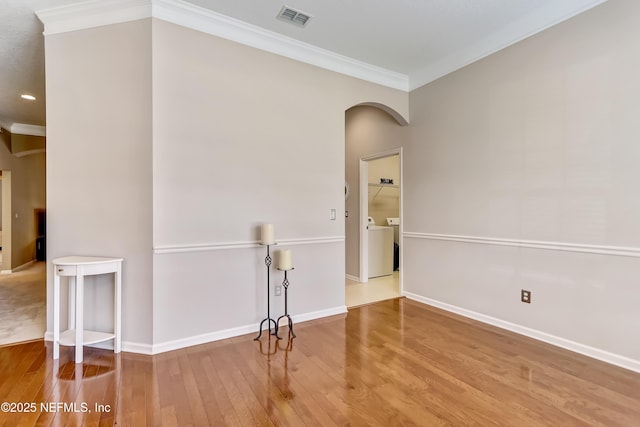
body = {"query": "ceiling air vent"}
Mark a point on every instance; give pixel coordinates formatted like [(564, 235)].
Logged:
[(293, 16)]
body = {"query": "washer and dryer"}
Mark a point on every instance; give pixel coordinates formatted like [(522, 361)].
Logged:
[(381, 249)]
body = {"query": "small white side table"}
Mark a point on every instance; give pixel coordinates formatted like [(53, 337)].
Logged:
[(76, 267)]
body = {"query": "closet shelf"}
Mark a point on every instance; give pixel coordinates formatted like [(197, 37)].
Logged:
[(373, 184), (380, 187)]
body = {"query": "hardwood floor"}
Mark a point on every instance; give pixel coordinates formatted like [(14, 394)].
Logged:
[(396, 362)]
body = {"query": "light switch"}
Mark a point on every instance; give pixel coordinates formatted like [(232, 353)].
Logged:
[(332, 214)]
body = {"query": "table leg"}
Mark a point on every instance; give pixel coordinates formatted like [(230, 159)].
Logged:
[(117, 344), (79, 314), (71, 313), (56, 314)]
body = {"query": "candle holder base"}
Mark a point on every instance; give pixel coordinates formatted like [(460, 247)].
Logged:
[(268, 319), (275, 328), (290, 324), (285, 285)]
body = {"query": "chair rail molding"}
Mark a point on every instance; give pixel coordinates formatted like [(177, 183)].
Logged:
[(535, 244), (216, 246)]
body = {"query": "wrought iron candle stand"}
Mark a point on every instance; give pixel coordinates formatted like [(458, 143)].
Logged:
[(268, 319), (285, 285)]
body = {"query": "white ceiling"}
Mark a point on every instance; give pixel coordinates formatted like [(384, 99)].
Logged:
[(420, 40)]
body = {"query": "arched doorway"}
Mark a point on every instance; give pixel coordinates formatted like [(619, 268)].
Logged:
[(372, 131)]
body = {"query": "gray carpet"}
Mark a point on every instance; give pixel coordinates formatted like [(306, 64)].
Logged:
[(23, 304)]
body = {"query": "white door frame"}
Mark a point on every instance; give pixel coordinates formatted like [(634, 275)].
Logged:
[(364, 211)]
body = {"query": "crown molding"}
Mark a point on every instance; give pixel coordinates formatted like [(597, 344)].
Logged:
[(543, 19), (204, 20), (91, 14), (25, 129), (6, 124), (95, 13)]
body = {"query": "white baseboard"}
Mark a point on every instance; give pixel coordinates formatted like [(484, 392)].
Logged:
[(135, 347), (139, 348), (240, 330), (354, 278), (203, 338), (128, 346), (299, 318), (595, 353)]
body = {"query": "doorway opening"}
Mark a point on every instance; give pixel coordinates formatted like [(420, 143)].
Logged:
[(22, 279), (380, 222)]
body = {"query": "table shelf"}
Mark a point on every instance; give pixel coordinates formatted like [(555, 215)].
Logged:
[(68, 337)]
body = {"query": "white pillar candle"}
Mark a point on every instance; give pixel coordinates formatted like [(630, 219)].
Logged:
[(268, 234), (285, 262)]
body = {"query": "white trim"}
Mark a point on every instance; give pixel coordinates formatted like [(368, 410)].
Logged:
[(238, 331), (24, 129), (535, 244), (605, 356), (352, 278), (91, 14), (214, 246), (213, 23), (382, 155), (29, 152), (172, 249), (203, 338), (128, 346), (313, 315), (509, 35), (311, 241), (363, 177), (134, 347), (95, 13)]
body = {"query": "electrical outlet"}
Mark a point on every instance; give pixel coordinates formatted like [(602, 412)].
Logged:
[(277, 291), (525, 296)]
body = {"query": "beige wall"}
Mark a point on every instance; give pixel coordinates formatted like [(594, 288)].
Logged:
[(368, 131), (170, 147), (538, 142), (535, 143), (27, 194), (99, 175), (243, 137)]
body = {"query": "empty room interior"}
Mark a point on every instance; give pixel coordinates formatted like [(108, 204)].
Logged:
[(346, 213)]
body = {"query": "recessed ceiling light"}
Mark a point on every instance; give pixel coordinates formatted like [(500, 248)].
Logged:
[(28, 97)]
